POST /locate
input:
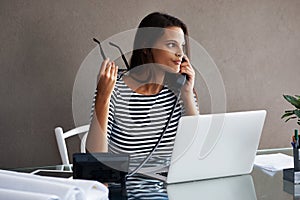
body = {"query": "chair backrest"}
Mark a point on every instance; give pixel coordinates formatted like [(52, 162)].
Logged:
[(61, 137)]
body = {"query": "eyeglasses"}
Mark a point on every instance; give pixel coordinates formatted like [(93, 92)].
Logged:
[(114, 45)]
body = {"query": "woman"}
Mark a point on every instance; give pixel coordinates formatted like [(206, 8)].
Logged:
[(131, 112)]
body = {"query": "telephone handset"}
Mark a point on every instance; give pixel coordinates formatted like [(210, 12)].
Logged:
[(176, 81)]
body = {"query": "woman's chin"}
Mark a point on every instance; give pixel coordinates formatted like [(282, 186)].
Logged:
[(173, 70)]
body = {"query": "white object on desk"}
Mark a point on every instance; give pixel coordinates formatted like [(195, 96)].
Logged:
[(274, 162), (8, 194), (65, 189)]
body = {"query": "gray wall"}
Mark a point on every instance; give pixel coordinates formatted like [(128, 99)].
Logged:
[(254, 43)]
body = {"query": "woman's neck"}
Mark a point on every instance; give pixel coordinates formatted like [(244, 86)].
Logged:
[(149, 89), (152, 85)]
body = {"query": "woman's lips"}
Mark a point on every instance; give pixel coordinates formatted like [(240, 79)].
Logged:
[(177, 62)]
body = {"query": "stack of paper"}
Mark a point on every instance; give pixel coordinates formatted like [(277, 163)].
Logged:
[(274, 162), (16, 185)]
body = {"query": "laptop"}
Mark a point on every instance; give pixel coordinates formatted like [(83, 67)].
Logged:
[(212, 146)]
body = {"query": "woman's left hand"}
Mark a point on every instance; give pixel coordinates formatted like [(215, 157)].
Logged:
[(187, 90), (186, 68)]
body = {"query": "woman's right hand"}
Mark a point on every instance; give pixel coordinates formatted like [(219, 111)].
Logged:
[(107, 78), (97, 137)]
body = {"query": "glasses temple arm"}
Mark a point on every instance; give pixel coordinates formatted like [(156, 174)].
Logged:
[(122, 54)]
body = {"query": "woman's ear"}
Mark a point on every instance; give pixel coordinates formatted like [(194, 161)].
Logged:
[(147, 55), (145, 51)]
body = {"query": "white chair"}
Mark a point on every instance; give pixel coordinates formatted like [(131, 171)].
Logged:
[(61, 137)]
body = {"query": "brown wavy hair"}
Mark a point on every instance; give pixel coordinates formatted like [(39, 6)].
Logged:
[(150, 29)]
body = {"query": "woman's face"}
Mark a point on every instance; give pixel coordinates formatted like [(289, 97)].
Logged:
[(168, 49)]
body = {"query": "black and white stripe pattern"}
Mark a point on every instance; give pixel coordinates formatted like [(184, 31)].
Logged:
[(135, 123), (146, 189)]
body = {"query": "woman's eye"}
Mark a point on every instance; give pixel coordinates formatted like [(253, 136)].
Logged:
[(171, 45)]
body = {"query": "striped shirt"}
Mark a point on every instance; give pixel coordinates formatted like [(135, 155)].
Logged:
[(135, 124), (136, 121)]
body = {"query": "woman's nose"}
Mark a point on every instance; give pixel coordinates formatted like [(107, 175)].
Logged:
[(179, 53)]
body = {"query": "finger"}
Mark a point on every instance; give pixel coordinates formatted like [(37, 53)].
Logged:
[(104, 65), (115, 72), (108, 68), (112, 70), (187, 67), (187, 70), (184, 67)]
